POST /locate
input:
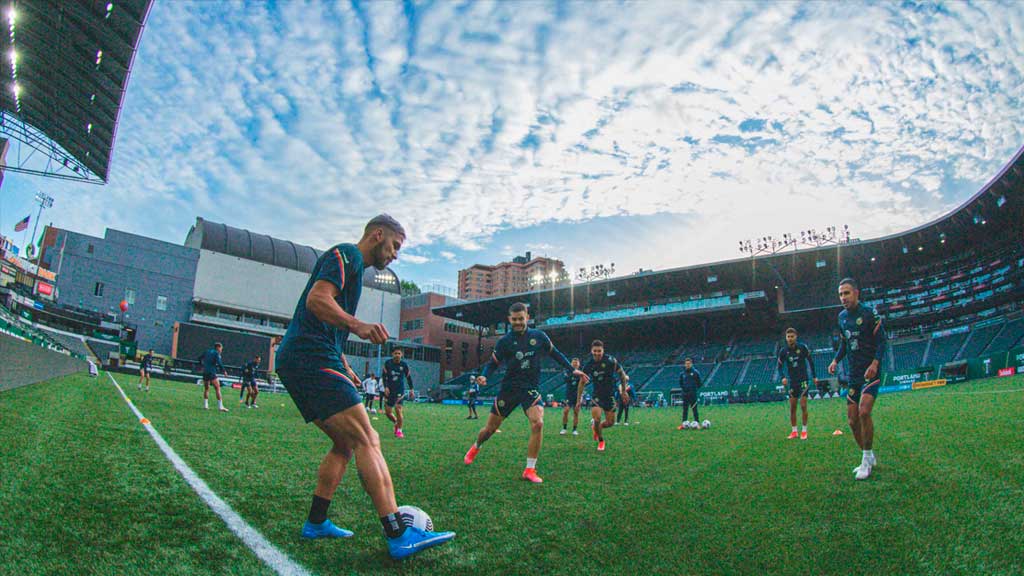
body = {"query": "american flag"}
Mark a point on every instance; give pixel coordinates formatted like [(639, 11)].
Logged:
[(21, 225)]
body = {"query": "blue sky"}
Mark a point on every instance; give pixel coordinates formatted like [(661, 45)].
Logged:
[(651, 135)]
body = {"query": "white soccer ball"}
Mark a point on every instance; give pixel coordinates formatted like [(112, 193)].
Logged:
[(686, 425), (691, 425), (420, 519), (706, 424)]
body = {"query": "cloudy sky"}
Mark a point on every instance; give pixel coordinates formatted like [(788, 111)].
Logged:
[(651, 135)]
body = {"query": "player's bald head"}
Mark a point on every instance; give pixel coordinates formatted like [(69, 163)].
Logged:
[(385, 221)]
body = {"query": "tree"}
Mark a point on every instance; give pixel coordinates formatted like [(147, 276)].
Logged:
[(409, 288)]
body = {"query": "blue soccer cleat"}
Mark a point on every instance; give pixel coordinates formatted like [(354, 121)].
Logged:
[(325, 530), (414, 540)]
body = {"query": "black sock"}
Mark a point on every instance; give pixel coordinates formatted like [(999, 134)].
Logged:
[(394, 525), (318, 511)]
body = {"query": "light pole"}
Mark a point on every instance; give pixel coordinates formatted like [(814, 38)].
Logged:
[(45, 201)]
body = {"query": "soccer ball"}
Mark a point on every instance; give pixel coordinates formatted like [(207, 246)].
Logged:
[(420, 519), (691, 425), (706, 424)]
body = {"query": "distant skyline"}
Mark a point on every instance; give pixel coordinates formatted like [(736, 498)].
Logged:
[(653, 135)]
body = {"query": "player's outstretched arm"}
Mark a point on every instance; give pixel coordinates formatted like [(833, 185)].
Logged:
[(321, 302)]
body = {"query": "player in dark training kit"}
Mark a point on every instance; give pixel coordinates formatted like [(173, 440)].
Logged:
[(690, 380), (249, 381), (313, 368), (794, 360), (601, 370), (395, 376), (520, 351), (145, 370), (864, 341), (573, 398), (471, 394), (212, 366)]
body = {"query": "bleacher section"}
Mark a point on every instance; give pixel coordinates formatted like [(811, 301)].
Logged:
[(978, 339), (73, 343), (761, 372), (725, 376), (944, 349), (908, 355), (102, 350), (1008, 337)]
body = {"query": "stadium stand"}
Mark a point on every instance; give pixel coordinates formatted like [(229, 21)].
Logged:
[(725, 375), (1008, 337), (978, 339), (908, 355), (73, 343), (945, 349)]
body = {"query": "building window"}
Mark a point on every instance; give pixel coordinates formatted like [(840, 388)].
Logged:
[(98, 289), (89, 249), (161, 302), (129, 295)]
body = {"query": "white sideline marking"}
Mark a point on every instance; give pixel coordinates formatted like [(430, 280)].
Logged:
[(264, 550), (1007, 391)]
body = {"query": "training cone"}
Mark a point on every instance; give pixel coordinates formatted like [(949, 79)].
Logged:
[(837, 433)]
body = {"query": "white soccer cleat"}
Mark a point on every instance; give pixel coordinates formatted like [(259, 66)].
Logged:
[(223, 409), (562, 433), (625, 423), (863, 471), (575, 432)]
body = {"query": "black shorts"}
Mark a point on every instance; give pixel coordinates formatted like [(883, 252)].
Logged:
[(209, 376), (858, 386), (471, 399), (144, 372), (507, 401), (605, 402), (394, 399), (798, 389), (250, 384), (371, 395), (319, 393), (570, 401)]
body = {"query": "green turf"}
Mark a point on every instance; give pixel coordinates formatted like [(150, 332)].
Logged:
[(736, 499)]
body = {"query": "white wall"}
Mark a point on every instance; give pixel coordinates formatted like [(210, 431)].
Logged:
[(247, 285)]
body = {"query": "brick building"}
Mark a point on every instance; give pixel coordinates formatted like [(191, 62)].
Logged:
[(522, 274)]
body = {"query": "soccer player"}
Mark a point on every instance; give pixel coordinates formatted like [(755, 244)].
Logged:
[(370, 391), (146, 369), (793, 362), (624, 403), (690, 380), (864, 340), (573, 398), (249, 381), (212, 366), (313, 368), (396, 373), (520, 351), (601, 370), (471, 395)]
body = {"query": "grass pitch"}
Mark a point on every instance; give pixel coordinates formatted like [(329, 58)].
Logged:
[(84, 490)]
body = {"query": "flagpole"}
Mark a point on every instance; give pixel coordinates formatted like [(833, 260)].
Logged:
[(45, 201)]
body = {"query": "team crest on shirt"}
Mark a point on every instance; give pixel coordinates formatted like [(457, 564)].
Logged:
[(533, 341), (860, 321), (848, 334), (519, 355), (501, 402)]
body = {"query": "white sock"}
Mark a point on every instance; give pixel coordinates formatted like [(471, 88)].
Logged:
[(206, 403), (794, 428), (805, 428), (531, 462), (867, 455), (220, 403), (872, 454)]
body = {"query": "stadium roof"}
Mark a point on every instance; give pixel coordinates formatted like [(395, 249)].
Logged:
[(218, 237), (995, 214), (67, 67)]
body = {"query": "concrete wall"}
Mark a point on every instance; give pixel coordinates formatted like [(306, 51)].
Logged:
[(23, 363), (242, 284), (246, 285), (121, 261)]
